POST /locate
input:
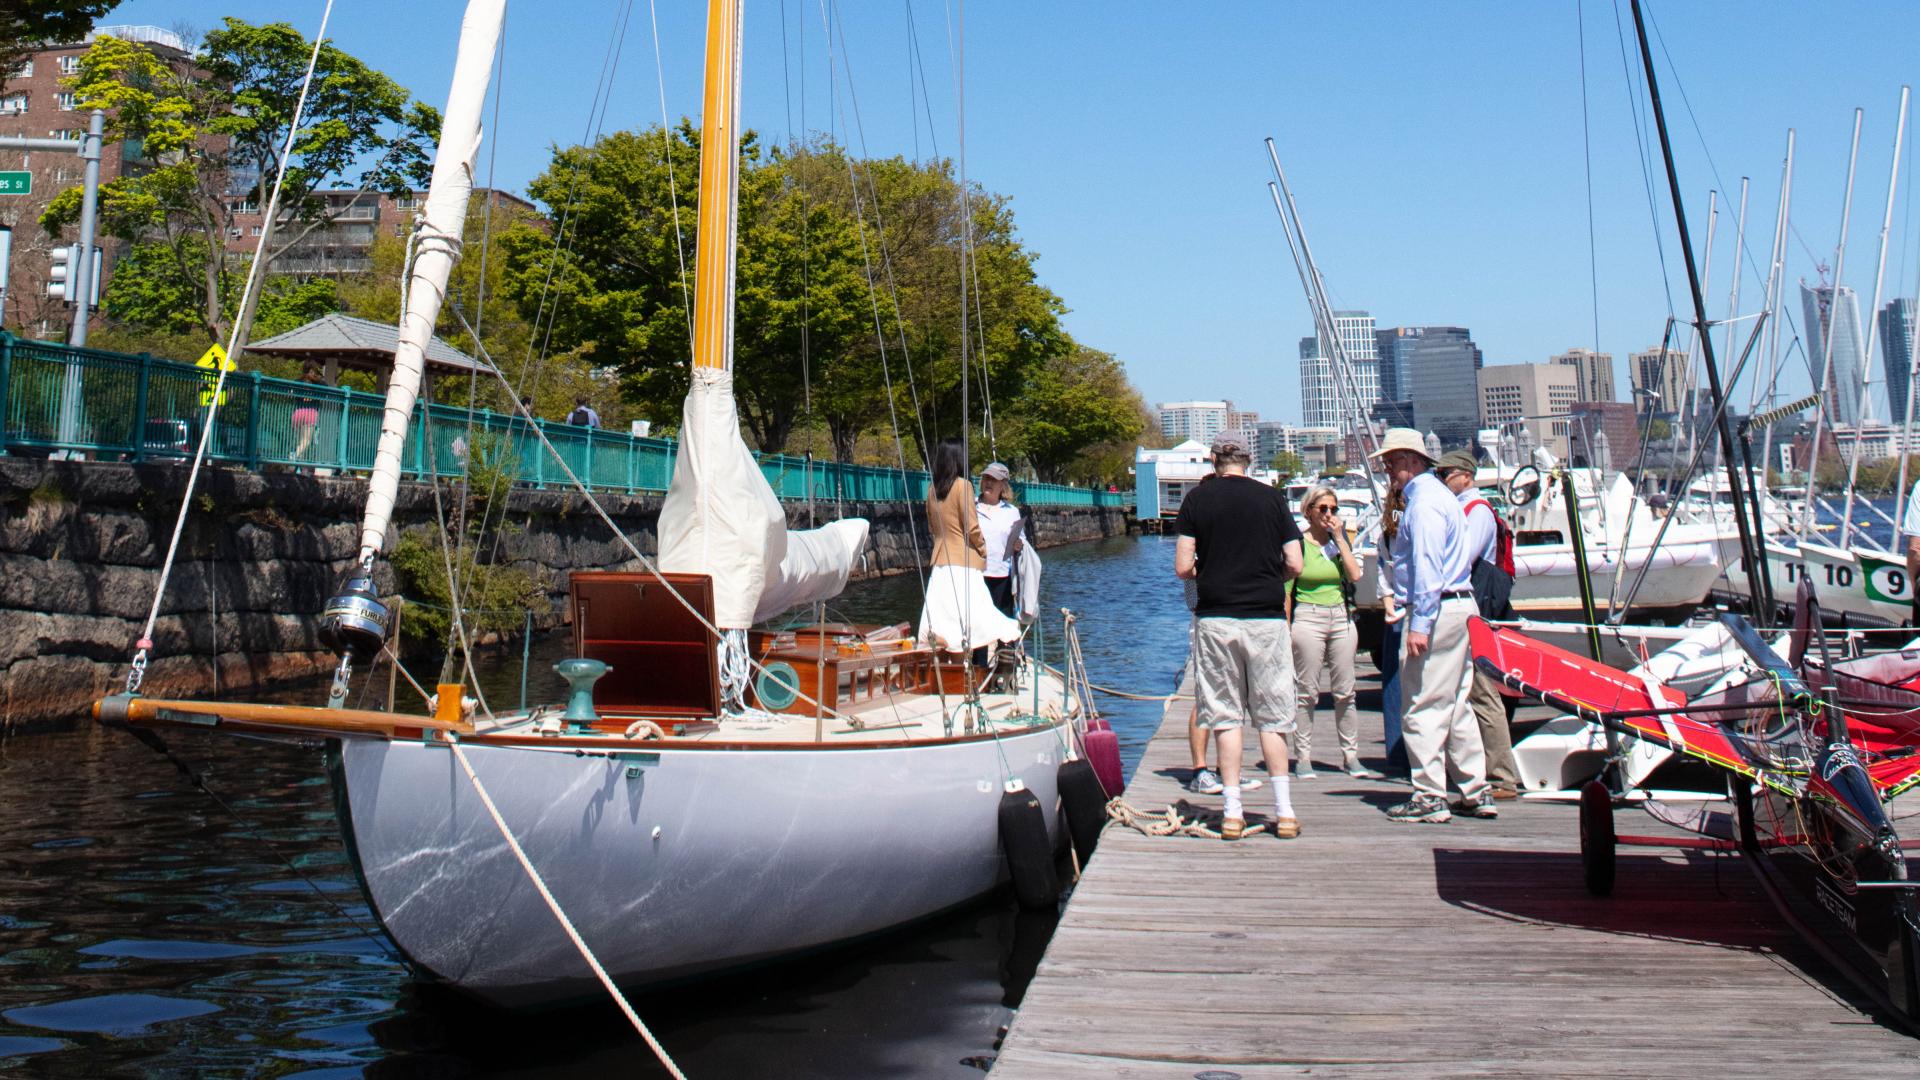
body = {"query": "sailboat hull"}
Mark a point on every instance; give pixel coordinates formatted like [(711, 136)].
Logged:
[(675, 863)]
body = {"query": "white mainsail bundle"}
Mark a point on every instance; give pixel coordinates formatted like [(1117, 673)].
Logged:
[(721, 518)]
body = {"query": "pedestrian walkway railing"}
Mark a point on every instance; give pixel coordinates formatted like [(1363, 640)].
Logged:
[(115, 407)]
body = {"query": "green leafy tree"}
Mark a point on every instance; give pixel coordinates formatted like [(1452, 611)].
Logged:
[(838, 260), (613, 278), (149, 291), (24, 25), (1287, 464), (1073, 403), (476, 297), (211, 129)]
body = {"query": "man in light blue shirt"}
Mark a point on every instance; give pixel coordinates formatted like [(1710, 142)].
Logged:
[(1433, 570)]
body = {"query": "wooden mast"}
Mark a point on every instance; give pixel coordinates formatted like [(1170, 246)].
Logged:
[(719, 185)]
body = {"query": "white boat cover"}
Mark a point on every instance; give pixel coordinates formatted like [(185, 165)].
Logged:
[(721, 518)]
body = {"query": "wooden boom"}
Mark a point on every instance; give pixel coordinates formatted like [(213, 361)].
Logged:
[(162, 712)]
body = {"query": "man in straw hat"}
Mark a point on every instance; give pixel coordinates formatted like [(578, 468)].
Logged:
[(1432, 568), (1239, 539)]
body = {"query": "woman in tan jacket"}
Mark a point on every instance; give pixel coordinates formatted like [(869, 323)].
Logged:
[(959, 612)]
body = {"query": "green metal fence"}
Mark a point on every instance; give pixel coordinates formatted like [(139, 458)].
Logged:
[(136, 408)]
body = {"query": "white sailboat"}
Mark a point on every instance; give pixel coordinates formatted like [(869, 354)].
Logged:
[(679, 836)]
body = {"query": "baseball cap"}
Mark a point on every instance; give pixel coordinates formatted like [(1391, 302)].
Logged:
[(1230, 442), (997, 471)]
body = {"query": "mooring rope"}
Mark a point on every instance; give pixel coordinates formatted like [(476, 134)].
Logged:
[(565, 923), (1172, 821)]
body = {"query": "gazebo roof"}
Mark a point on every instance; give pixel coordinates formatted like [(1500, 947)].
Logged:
[(360, 343)]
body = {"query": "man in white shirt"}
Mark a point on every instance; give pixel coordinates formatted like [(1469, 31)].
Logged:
[(1433, 569)]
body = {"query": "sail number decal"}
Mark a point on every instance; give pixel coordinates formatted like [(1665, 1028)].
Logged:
[(1886, 581), (1834, 575)]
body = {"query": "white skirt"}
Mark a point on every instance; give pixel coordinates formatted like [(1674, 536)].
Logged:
[(959, 612)]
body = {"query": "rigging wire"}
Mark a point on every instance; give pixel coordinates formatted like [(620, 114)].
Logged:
[(255, 271), (880, 239), (666, 154), (1586, 146), (1646, 159)]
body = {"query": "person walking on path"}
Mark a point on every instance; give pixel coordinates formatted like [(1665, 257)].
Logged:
[(583, 414), (1492, 593), (1320, 622), (1433, 569), (1239, 540)]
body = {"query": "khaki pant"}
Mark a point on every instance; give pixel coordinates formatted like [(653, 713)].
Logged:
[(1490, 709), (1323, 636), (1442, 734)]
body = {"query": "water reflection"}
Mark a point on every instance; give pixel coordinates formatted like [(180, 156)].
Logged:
[(145, 931)]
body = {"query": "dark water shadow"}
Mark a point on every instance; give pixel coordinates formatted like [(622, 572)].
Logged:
[(889, 1007), (1696, 898)]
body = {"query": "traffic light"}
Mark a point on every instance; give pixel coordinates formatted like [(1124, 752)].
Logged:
[(60, 282)]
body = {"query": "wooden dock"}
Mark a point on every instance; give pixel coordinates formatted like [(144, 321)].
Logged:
[(1371, 948)]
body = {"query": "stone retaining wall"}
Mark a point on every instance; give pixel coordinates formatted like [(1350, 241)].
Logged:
[(81, 546)]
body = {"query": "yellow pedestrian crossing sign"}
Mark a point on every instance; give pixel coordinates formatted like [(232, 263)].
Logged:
[(214, 360)]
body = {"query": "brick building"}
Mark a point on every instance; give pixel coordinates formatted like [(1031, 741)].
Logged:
[(35, 104), (344, 244)]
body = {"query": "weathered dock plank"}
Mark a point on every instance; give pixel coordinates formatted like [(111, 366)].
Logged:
[(1371, 948)]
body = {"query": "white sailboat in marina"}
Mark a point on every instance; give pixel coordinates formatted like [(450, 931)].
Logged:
[(683, 818)]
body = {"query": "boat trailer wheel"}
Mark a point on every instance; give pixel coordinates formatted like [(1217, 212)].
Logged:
[(1597, 841)]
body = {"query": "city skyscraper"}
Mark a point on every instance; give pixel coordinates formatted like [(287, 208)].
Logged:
[(1394, 349), (1319, 404), (1661, 371), (1201, 420), (1355, 330), (1595, 371), (1441, 370), (1843, 378), (1896, 351)]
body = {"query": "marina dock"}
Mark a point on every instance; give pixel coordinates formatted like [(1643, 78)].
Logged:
[(1371, 948)]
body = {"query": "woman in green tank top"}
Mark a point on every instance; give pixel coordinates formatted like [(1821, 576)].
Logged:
[(1321, 609)]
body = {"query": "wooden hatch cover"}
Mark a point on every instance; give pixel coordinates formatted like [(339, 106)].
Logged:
[(663, 658)]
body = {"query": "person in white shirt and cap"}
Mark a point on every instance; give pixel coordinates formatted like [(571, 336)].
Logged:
[(1433, 569), (1000, 527)]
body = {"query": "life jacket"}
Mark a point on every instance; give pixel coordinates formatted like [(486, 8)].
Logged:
[(1502, 536)]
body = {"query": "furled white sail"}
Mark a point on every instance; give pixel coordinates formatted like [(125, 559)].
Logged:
[(437, 240), (721, 518)]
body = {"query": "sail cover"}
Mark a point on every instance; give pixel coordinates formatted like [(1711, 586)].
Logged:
[(721, 519)]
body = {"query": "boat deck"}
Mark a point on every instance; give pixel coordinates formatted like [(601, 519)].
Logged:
[(1371, 948)]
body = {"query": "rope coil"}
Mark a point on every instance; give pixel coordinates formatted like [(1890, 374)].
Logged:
[(1177, 819)]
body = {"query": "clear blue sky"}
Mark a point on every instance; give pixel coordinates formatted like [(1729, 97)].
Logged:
[(1436, 149)]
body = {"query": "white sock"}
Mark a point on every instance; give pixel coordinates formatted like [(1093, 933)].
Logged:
[(1232, 794), (1282, 794)]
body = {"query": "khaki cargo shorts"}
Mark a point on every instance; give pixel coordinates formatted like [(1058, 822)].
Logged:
[(1244, 673)]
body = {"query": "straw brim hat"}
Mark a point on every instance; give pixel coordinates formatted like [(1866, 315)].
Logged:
[(1402, 438)]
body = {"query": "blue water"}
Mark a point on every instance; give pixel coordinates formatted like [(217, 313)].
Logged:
[(145, 931)]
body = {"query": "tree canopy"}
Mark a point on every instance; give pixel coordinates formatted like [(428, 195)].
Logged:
[(209, 131), (29, 23), (848, 279)]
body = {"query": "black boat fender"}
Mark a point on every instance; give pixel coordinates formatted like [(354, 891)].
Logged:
[(1023, 836), (1085, 802)]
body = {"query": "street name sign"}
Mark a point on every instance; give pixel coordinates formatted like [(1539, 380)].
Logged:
[(16, 183)]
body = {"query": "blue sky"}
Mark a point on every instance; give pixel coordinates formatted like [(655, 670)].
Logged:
[(1436, 150)]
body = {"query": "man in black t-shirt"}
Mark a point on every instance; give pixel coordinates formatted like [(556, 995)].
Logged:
[(1239, 539)]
